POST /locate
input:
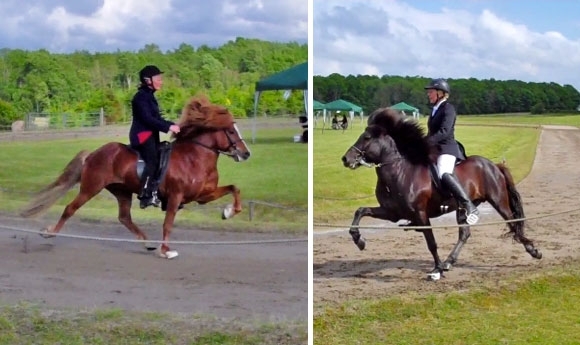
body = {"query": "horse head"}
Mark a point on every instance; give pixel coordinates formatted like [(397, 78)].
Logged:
[(368, 148), (212, 126)]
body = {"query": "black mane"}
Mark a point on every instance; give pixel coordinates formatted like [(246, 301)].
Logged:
[(408, 135)]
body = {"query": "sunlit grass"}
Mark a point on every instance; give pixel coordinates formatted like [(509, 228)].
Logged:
[(29, 324), (529, 310)]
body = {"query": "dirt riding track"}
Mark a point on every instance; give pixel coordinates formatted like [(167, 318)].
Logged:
[(397, 261), (252, 283)]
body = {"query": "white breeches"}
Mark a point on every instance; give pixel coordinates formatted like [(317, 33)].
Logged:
[(445, 164)]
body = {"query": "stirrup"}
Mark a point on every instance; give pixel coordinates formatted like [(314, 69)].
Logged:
[(155, 200), (472, 218), (152, 201)]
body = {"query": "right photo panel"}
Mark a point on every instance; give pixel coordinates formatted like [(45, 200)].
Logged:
[(446, 174)]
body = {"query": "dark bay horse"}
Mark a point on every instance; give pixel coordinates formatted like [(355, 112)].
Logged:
[(207, 130), (398, 149)]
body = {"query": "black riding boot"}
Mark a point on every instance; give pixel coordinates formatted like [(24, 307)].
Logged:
[(148, 194), (452, 184)]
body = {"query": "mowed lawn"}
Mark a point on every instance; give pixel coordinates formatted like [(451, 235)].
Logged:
[(522, 308), (275, 178)]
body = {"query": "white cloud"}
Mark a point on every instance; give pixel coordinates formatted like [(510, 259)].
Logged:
[(108, 25), (397, 39)]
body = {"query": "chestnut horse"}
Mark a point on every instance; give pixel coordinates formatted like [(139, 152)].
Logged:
[(207, 130), (402, 156)]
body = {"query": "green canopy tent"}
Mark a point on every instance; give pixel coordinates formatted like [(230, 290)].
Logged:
[(318, 105), (402, 106), (318, 108), (342, 105), (293, 78)]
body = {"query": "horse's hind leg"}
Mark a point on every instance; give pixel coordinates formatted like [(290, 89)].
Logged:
[(517, 227), (82, 198), (124, 200), (464, 233)]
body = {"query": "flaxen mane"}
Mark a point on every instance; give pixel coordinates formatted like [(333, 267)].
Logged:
[(200, 114), (408, 134)]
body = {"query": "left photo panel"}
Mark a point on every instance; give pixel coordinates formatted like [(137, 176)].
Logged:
[(154, 172)]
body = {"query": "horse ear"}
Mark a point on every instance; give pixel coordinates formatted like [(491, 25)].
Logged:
[(196, 105)]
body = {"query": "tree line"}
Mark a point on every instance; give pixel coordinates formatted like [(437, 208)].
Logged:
[(81, 82), (470, 96)]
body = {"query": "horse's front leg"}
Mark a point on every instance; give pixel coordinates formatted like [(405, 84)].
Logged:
[(437, 271), (374, 212), (172, 207), (230, 210), (464, 233)]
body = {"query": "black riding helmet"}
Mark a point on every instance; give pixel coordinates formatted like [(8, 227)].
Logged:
[(439, 84), (149, 71)]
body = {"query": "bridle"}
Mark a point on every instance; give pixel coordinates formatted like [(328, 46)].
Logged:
[(226, 152), (360, 159)]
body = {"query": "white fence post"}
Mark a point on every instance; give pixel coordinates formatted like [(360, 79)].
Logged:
[(102, 117)]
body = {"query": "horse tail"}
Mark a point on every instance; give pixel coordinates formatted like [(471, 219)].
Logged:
[(515, 202), (46, 197)]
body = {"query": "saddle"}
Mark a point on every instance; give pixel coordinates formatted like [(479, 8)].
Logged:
[(163, 152)]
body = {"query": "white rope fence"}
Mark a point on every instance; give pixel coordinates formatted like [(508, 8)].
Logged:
[(200, 243), (403, 227)]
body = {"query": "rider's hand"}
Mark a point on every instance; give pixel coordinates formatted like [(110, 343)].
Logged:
[(174, 129)]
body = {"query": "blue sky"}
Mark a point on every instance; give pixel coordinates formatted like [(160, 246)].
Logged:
[(128, 25), (534, 40)]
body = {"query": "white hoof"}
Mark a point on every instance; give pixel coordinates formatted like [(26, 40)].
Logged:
[(47, 232), (170, 254), (433, 276), (228, 212)]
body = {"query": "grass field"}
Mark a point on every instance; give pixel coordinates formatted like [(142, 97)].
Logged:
[(276, 173), (525, 119), (522, 308), (25, 324), (531, 309)]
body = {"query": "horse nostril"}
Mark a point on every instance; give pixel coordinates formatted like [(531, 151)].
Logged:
[(344, 159)]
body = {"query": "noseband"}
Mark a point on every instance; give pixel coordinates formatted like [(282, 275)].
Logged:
[(232, 143), (360, 159)]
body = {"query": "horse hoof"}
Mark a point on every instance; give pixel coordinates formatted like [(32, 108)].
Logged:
[(433, 276), (446, 266), (170, 254), (361, 243), (538, 255), (149, 246), (47, 233), (228, 212)]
